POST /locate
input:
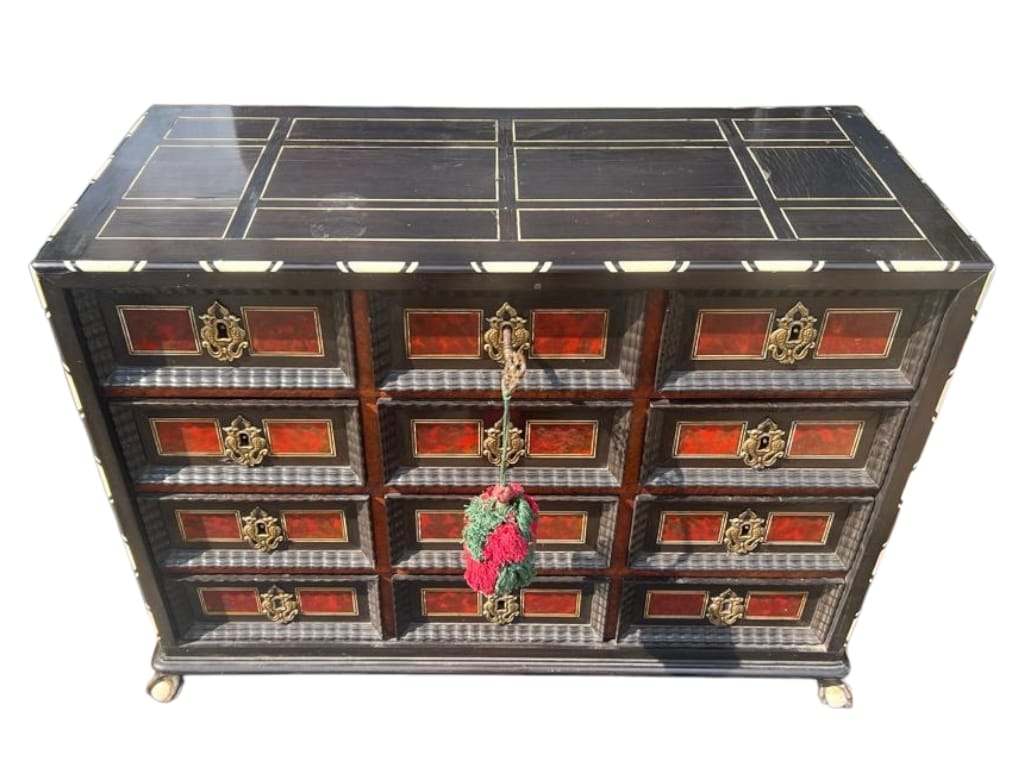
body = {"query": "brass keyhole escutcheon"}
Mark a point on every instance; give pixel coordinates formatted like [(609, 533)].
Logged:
[(507, 332), (501, 609), (794, 336), (245, 444), (515, 449), (262, 530), (745, 533), (222, 334), (725, 609), (279, 606), (764, 445)]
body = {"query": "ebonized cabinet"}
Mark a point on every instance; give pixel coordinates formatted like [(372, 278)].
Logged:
[(740, 324)]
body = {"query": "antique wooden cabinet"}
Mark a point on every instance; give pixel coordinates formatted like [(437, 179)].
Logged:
[(739, 327)]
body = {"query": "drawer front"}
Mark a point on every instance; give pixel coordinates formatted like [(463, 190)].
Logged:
[(771, 446), (444, 609), (193, 532), (764, 342), (746, 533), (572, 531), (456, 444), (276, 610), (196, 339), (241, 442), (728, 614), (450, 339)]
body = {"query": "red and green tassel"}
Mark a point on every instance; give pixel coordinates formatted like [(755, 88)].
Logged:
[(501, 523), (498, 540)]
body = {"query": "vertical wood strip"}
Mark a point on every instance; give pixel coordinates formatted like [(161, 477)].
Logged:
[(367, 389), (654, 317)]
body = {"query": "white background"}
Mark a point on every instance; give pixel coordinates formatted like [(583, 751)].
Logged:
[(935, 654)]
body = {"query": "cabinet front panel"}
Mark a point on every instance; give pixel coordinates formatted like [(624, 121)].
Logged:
[(447, 443), (792, 445), (454, 340), (572, 531), (231, 339), (276, 610), (753, 533), (763, 341), (444, 609), (254, 532), (241, 442), (735, 613)]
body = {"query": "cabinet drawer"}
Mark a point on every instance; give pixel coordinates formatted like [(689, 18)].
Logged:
[(445, 610), (747, 533), (227, 339), (252, 609), (192, 532), (572, 531), (455, 444), (727, 614), (765, 342), (244, 443), (769, 446), (440, 340)]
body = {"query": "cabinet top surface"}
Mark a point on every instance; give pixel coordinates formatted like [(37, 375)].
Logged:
[(485, 190)]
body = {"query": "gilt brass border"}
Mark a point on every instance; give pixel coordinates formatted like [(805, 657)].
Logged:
[(419, 532), (699, 615), (423, 602), (573, 311), (319, 331), (200, 592), (567, 512), (724, 311), (350, 590), (858, 310), (479, 438), (798, 513), (690, 513), (762, 592), (339, 512), (686, 456), (479, 336), (536, 615), (592, 454), (159, 448), (330, 433), (833, 457), (163, 352), (186, 539)]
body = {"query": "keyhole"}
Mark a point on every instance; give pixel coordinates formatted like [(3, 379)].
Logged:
[(222, 330), (745, 529), (762, 443), (261, 529), (794, 331), (243, 440)]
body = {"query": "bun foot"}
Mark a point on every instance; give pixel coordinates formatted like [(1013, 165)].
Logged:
[(835, 694), (163, 687)]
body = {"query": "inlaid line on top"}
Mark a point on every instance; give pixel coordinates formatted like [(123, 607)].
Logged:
[(400, 169), (394, 122), (767, 174), (237, 184), (675, 215), (774, 121), (616, 122), (475, 221), (715, 180), (209, 118)]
